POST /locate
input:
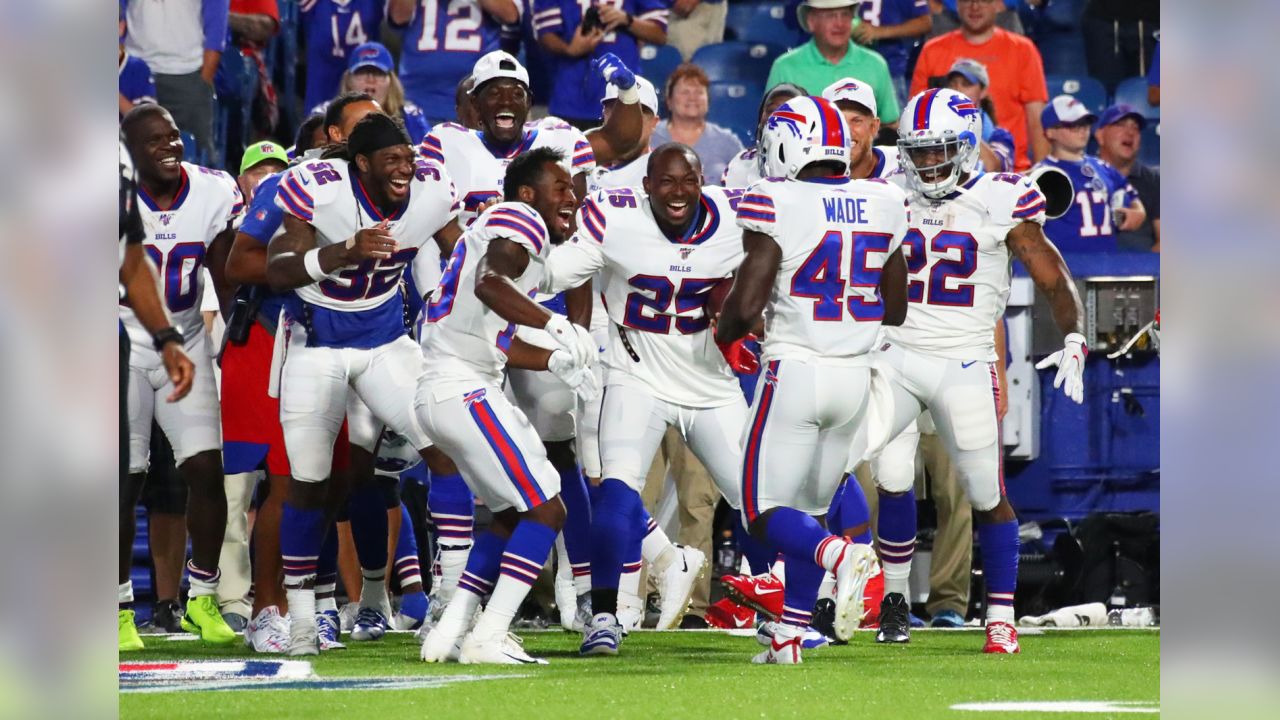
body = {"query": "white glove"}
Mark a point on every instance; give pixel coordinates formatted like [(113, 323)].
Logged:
[(580, 379), (573, 339), (1070, 362)]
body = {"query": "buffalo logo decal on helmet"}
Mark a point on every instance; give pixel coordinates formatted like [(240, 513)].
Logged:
[(963, 106)]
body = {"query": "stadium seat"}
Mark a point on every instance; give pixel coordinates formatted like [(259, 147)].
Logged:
[(763, 21), (1063, 52), (733, 107), (282, 64), (1087, 90), (1064, 14), (1149, 151), (1133, 91), (656, 63), (737, 61), (190, 152)]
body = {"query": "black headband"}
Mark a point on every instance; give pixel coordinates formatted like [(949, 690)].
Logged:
[(374, 132)]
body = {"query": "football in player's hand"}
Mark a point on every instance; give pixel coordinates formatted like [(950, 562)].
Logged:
[(715, 298)]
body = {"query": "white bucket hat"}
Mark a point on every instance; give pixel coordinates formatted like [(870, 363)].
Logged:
[(802, 12)]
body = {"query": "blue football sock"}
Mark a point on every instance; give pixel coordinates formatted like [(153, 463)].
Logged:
[(758, 556), (407, 565), (613, 524), (301, 535), (482, 564), (414, 605), (367, 510), (522, 561), (452, 510), (896, 535), (999, 549), (794, 534), (577, 522), (804, 577), (849, 509)]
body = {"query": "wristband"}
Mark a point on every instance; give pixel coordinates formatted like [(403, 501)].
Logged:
[(166, 336), (311, 259), (630, 96), (630, 19)]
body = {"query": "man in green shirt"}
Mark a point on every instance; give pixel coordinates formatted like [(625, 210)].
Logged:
[(832, 55)]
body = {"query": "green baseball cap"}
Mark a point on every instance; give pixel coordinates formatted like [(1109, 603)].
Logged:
[(260, 151)]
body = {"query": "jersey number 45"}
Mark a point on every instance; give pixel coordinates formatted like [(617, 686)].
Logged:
[(821, 276)]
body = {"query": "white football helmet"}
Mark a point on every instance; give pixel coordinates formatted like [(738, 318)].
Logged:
[(802, 131), (940, 127)]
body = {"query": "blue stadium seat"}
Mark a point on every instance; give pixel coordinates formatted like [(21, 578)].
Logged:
[(737, 61), (733, 107), (1133, 91), (1063, 53), (1087, 90), (1064, 14), (1149, 151), (763, 21), (190, 152), (656, 63)]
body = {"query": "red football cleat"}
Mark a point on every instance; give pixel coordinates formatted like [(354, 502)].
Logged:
[(762, 593), (872, 594), (729, 615), (1002, 638)]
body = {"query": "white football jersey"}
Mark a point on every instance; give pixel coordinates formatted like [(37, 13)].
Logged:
[(959, 265), (656, 290), (743, 170), (618, 176), (887, 161), (176, 240), (328, 195), (478, 169), (465, 340), (835, 235)]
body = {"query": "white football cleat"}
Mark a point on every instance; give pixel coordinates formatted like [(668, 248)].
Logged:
[(495, 650), (347, 616), (781, 651), (855, 568), (437, 647), (267, 632), (629, 618), (676, 585), (304, 637), (566, 602)]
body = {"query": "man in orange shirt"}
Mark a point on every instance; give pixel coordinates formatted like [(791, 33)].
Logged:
[(1017, 73)]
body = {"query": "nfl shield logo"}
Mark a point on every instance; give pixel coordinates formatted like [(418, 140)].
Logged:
[(685, 252), (165, 218)]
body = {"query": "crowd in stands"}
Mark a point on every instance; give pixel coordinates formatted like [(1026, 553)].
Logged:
[(1068, 83)]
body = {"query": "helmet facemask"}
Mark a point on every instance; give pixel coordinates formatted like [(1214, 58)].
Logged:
[(935, 164)]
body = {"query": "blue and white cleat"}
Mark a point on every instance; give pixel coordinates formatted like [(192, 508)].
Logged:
[(371, 624), (328, 626), (602, 636)]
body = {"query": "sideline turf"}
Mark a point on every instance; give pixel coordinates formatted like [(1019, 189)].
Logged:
[(665, 676)]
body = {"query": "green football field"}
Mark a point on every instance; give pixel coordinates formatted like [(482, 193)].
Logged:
[(698, 675)]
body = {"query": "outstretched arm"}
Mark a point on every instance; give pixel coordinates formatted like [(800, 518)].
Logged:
[(1049, 271), (752, 286)]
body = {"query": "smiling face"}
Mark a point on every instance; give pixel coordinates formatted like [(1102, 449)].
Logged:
[(674, 186), (863, 128), (1120, 141), (156, 146), (503, 106), (386, 173), (688, 99), (832, 27), (552, 197), (373, 81)]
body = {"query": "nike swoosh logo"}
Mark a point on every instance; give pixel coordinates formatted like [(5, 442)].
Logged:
[(305, 181), (741, 622), (768, 592), (967, 364)]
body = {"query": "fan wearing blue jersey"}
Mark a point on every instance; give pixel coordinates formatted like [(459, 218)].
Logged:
[(1105, 202), (137, 84), (372, 71), (443, 39), (577, 32), (354, 221), (334, 29)]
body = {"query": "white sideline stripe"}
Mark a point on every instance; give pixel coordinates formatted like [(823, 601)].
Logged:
[(1066, 706)]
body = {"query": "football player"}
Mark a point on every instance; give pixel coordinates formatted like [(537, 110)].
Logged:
[(965, 227), (472, 316), (659, 253), (822, 250), (744, 169), (477, 160), (354, 220), (187, 211)]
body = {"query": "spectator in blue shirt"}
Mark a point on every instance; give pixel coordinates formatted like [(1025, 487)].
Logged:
[(688, 103), (443, 39), (372, 71), (996, 149), (623, 24), (334, 28), (1105, 202), (137, 85), (893, 27)]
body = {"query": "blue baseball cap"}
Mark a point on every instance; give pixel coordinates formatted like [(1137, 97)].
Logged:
[(1064, 110), (371, 54), (1120, 111)]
